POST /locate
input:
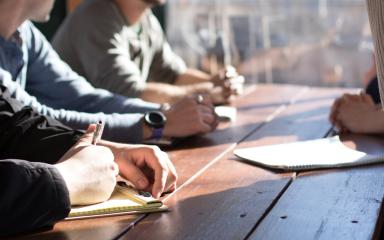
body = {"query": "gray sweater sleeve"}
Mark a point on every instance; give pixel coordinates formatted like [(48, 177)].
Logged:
[(109, 52), (118, 127), (33, 195), (101, 52)]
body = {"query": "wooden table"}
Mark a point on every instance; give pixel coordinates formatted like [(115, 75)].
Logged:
[(220, 197)]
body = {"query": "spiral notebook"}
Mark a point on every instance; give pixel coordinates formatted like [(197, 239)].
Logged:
[(124, 200), (306, 155)]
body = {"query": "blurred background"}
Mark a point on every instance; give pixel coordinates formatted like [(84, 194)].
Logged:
[(308, 42), (311, 42)]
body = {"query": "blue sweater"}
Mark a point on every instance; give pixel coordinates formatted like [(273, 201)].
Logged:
[(36, 76)]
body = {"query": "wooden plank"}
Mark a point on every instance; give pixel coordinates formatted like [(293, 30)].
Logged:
[(228, 199), (194, 154), (223, 203), (331, 204), (190, 158), (306, 119)]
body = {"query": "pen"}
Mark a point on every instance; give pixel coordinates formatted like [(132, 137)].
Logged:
[(98, 132)]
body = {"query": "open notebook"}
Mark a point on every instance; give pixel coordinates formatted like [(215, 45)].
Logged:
[(124, 200), (314, 154)]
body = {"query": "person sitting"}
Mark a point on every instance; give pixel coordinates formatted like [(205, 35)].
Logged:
[(36, 76), (119, 45), (45, 167)]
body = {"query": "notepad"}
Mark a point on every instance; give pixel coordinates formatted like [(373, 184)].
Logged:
[(124, 200), (226, 113), (305, 155)]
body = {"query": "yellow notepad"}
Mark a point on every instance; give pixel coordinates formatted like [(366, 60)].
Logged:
[(124, 200)]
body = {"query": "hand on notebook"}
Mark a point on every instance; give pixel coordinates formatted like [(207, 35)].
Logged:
[(147, 167), (88, 171)]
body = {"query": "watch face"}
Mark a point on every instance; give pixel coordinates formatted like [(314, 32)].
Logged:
[(155, 119)]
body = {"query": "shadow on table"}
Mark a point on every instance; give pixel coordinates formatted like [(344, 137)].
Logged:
[(300, 124), (227, 214), (278, 104), (93, 228)]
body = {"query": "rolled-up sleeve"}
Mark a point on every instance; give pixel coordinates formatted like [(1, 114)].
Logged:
[(166, 65)]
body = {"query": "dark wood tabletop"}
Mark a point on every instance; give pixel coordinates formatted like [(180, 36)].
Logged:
[(221, 197)]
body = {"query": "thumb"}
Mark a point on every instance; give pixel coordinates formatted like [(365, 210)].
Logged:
[(88, 135)]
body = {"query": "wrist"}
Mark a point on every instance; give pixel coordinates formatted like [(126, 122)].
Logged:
[(147, 131), (155, 122), (66, 176)]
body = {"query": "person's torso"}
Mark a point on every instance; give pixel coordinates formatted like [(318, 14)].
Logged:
[(141, 41)]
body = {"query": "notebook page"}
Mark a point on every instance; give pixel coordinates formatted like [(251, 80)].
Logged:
[(327, 152)]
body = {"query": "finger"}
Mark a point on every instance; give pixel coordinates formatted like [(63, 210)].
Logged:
[(206, 100), (208, 118), (339, 122), (230, 72), (160, 182), (134, 174), (155, 160), (215, 123), (237, 80), (348, 97), (205, 109), (172, 175), (204, 127), (334, 110), (237, 89), (88, 135), (207, 115)]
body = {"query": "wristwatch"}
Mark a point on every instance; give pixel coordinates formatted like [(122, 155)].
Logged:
[(156, 121)]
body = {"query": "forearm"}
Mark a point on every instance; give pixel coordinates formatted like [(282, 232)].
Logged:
[(119, 127), (145, 131), (192, 76), (34, 195), (163, 92), (166, 93)]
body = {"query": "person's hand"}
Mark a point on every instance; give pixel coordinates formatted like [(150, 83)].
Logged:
[(335, 111), (357, 114), (147, 167), (227, 83), (190, 116), (89, 171)]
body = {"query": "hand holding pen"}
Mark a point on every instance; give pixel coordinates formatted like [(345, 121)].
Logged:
[(89, 171)]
